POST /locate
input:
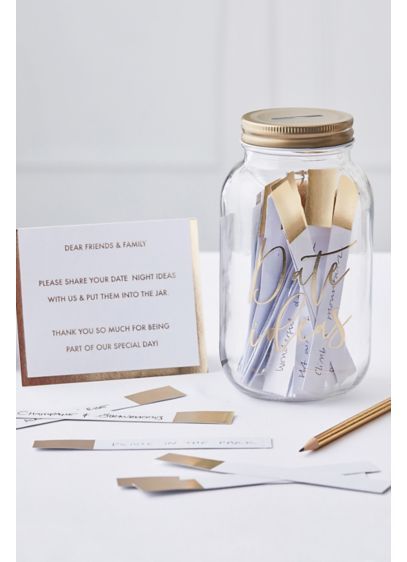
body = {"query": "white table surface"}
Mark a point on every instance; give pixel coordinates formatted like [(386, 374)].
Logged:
[(71, 509)]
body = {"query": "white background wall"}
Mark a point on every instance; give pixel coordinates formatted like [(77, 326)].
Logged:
[(130, 109)]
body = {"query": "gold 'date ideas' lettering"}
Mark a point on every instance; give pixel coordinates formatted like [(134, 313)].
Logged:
[(335, 337)]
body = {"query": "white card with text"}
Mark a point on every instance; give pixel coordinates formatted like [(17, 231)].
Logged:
[(105, 301)]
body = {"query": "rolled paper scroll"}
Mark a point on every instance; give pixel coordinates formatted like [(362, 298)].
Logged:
[(329, 340)]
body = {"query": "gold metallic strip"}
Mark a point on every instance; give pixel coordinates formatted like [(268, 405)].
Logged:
[(204, 417), (345, 203), (321, 196), (155, 395), (126, 482), (160, 483), (20, 318), (290, 211), (203, 360), (86, 444), (187, 460)]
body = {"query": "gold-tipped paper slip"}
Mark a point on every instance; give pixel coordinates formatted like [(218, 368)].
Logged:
[(146, 443), (155, 395), (83, 444), (128, 402), (218, 417), (190, 461), (204, 417), (159, 483), (250, 474)]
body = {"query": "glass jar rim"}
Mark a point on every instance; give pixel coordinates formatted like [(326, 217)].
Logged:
[(297, 151)]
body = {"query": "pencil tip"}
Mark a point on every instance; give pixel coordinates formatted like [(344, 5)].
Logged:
[(301, 450)]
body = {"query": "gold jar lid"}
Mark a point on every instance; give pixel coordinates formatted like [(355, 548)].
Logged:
[(296, 127)]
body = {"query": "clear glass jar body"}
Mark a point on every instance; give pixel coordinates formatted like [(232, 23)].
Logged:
[(275, 343)]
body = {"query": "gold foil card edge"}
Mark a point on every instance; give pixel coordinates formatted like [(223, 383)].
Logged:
[(196, 274), (85, 444), (289, 208), (321, 191), (155, 395), (219, 417), (159, 483), (190, 461), (345, 203)]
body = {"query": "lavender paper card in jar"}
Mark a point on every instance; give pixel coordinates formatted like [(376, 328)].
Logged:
[(106, 301), (296, 266)]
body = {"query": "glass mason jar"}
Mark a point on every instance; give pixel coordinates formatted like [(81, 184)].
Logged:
[(296, 251)]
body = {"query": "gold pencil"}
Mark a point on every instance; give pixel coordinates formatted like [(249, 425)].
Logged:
[(347, 426)]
